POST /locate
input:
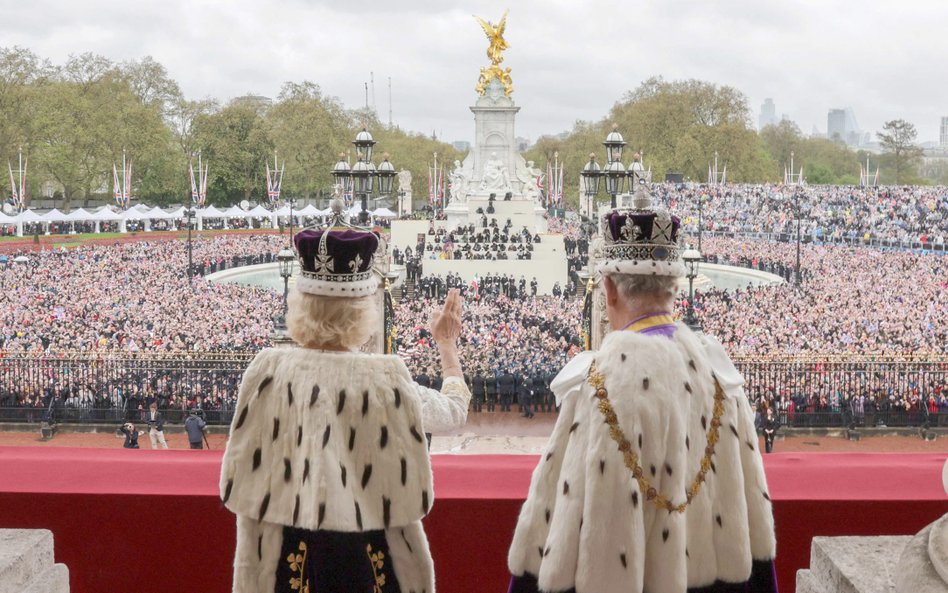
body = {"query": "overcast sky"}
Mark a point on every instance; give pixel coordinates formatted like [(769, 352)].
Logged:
[(570, 59)]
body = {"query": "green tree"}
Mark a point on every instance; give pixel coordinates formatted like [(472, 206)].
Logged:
[(898, 142)]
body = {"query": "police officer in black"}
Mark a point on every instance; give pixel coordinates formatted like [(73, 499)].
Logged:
[(490, 389), (507, 385), (525, 396), (477, 390)]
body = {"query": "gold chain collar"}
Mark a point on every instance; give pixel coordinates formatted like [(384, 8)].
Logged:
[(598, 381)]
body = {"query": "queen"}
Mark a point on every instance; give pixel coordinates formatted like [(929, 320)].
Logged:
[(327, 466)]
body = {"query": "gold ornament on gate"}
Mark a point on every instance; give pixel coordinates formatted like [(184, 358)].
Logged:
[(495, 34)]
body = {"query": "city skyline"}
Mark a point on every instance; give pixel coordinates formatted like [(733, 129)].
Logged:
[(564, 67)]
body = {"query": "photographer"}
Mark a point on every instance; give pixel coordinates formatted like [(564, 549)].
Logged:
[(131, 435), (194, 426)]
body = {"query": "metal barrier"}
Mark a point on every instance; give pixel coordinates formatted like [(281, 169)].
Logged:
[(112, 388)]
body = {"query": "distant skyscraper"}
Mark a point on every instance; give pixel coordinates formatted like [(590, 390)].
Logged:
[(768, 114), (943, 137), (841, 125)]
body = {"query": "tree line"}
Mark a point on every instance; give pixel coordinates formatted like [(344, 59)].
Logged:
[(74, 120)]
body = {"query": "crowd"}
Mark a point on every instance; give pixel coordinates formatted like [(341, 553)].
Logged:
[(910, 214)]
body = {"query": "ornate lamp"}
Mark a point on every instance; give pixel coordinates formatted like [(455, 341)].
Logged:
[(386, 174), (615, 179), (692, 259), (614, 143), (364, 143), (285, 258), (590, 175)]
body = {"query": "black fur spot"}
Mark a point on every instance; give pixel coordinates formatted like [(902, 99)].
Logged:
[(241, 418), (573, 427), (704, 423), (326, 435), (540, 551), (366, 475), (602, 466), (687, 555), (386, 511), (546, 552), (424, 501), (358, 516), (264, 505), (691, 363), (305, 469), (322, 514), (565, 487), (549, 455), (416, 434), (299, 436), (230, 486), (405, 539), (635, 498), (718, 520), (276, 429), (622, 560), (767, 496), (259, 547), (342, 402), (714, 468), (256, 458), (289, 393), (287, 469), (342, 470), (398, 398), (622, 356), (688, 443), (313, 396), (404, 471), (645, 383), (365, 403), (263, 385), (640, 441), (653, 470), (547, 515), (383, 440), (664, 535), (688, 387), (296, 509), (734, 430), (668, 469), (352, 437), (750, 445)]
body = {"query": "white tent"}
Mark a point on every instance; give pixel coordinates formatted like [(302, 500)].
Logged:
[(179, 212), (383, 213), (106, 213), (284, 211), (158, 213), (236, 212), (310, 210), (28, 216), (6, 219), (133, 214), (260, 212), (79, 215), (210, 212), (55, 215)]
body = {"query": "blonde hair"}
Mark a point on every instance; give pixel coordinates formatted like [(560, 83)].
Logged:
[(319, 321)]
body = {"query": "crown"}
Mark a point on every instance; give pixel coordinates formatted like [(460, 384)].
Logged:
[(641, 240), (336, 262)]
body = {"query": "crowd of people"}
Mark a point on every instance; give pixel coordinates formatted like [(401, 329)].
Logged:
[(135, 299), (910, 214)]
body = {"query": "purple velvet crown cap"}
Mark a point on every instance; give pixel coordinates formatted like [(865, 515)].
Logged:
[(347, 251), (645, 221)]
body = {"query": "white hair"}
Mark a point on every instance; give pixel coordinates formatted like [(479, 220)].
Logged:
[(320, 321), (636, 286)]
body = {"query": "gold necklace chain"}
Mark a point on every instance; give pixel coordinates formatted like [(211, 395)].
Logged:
[(598, 381)]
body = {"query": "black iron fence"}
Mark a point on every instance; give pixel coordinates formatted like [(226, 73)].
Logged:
[(111, 388)]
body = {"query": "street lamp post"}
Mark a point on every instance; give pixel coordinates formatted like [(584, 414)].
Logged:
[(700, 224), (361, 177), (691, 259), (285, 258), (797, 211)]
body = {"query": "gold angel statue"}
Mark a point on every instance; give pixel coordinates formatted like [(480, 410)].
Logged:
[(495, 34)]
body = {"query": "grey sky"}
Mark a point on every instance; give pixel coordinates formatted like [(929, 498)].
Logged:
[(570, 59)]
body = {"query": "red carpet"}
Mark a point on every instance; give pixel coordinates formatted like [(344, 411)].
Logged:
[(151, 520)]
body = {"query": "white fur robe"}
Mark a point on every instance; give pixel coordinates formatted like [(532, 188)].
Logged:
[(585, 523), (333, 441)]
